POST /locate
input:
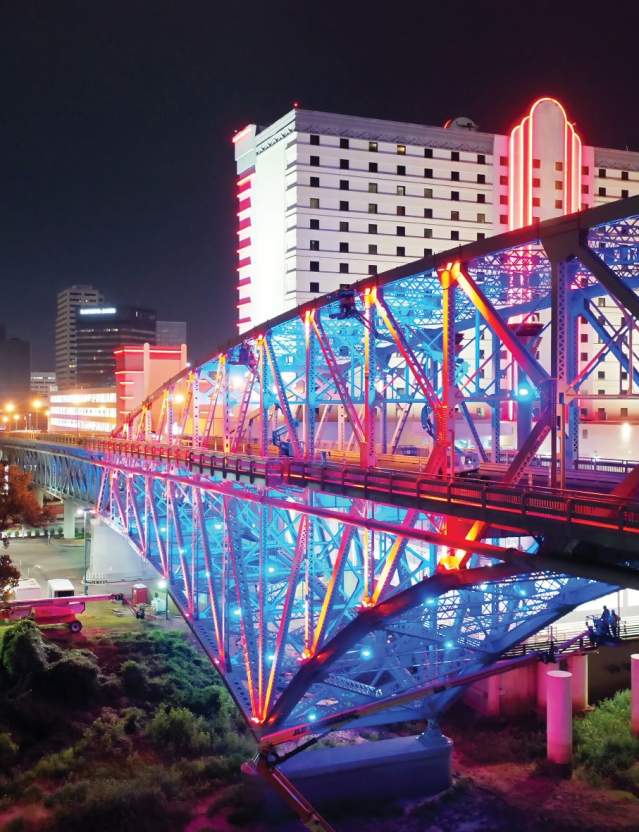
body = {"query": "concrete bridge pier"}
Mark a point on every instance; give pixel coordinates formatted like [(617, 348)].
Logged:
[(38, 493), (70, 514)]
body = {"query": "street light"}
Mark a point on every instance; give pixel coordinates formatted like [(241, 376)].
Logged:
[(16, 419), (9, 407), (36, 404)]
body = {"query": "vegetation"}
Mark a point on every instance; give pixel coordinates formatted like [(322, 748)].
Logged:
[(128, 734), (18, 504), (606, 753)]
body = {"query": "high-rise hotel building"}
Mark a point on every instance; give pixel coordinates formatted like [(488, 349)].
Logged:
[(324, 200), (66, 346)]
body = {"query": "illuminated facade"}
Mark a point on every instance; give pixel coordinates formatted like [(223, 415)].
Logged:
[(325, 199), (83, 411), (66, 355), (141, 369)]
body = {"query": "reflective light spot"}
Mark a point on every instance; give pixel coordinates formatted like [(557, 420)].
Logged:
[(312, 717), (366, 652)]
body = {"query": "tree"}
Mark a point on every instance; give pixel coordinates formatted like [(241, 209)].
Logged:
[(9, 576), (18, 504)]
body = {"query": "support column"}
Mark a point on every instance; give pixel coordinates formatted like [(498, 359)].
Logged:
[(542, 670), (559, 717), (39, 493), (634, 696), (70, 508), (578, 666)]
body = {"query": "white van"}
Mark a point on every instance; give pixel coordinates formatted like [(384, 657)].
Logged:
[(60, 588), (28, 589)]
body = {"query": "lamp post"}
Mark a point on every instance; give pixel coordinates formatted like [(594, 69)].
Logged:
[(36, 404), (16, 419), (87, 512)]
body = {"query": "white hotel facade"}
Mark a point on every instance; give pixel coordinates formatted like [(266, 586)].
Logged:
[(324, 200)]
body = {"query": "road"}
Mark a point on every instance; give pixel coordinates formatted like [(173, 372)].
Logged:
[(35, 558)]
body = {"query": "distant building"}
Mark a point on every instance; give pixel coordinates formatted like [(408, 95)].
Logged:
[(65, 333), (43, 382), (170, 333), (142, 369), (15, 366), (102, 329), (83, 411)]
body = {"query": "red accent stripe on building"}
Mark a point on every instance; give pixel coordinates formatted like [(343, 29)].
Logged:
[(244, 203), (243, 282), (243, 301), (245, 261), (245, 223), (244, 243), (244, 321)]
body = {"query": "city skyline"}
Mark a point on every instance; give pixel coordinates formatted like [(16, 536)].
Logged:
[(140, 199)]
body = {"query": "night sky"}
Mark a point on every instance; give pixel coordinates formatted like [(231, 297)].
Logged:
[(116, 161)]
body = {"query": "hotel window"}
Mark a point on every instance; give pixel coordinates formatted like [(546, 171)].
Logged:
[(315, 182), (601, 374), (559, 166), (344, 144), (559, 203), (343, 205), (583, 338), (372, 269), (343, 268), (454, 195), (503, 199), (428, 153), (624, 375), (454, 155), (428, 232), (454, 235), (401, 190), (601, 301), (503, 180), (400, 230), (481, 159), (372, 228), (314, 286), (623, 412), (314, 202), (536, 163), (401, 149), (372, 248), (372, 207), (559, 185), (624, 193), (602, 191), (428, 213), (401, 211), (314, 245), (343, 247), (372, 147), (481, 235), (602, 173), (454, 175), (536, 202), (372, 187), (536, 182), (585, 189), (583, 356), (481, 197), (401, 170), (314, 139), (428, 252), (401, 251), (481, 178), (428, 173), (372, 167), (454, 215), (314, 224), (503, 161), (344, 164), (624, 175), (428, 193), (481, 217), (315, 160), (585, 170), (343, 226), (503, 219), (343, 184), (314, 265)]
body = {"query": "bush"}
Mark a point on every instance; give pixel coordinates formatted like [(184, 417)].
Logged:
[(57, 766), (72, 680), (8, 751), (604, 745), (23, 653), (178, 731), (134, 679)]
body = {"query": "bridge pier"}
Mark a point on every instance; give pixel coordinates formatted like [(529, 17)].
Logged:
[(542, 684), (113, 558), (70, 513), (38, 492), (559, 717), (578, 666)]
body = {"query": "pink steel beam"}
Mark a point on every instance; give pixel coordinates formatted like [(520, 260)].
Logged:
[(206, 550), (283, 400), (241, 419)]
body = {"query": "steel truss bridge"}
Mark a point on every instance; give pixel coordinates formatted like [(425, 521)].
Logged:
[(330, 575)]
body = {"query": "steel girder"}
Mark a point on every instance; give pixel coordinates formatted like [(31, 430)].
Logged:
[(314, 606)]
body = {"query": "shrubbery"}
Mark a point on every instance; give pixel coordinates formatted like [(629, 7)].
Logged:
[(177, 731), (8, 751), (605, 749)]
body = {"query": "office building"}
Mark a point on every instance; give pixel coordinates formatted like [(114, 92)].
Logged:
[(141, 369), (15, 366), (83, 411), (102, 329), (43, 382), (170, 333), (324, 200), (65, 330)]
